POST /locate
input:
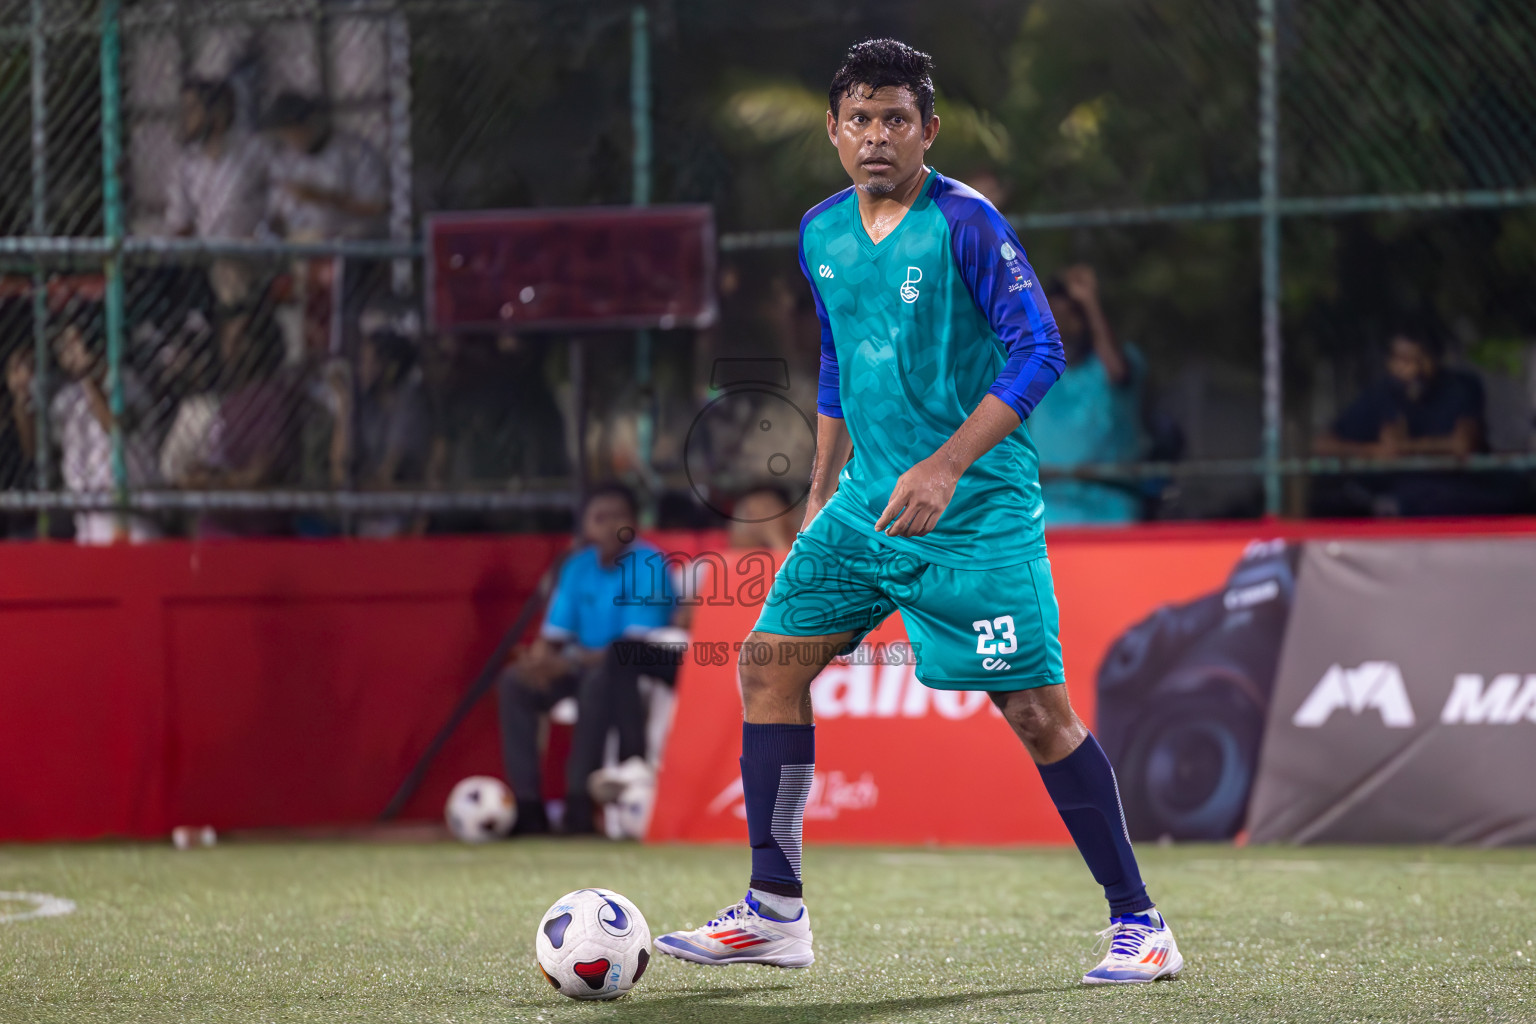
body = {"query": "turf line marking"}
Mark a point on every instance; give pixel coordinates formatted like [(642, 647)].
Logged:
[(43, 905)]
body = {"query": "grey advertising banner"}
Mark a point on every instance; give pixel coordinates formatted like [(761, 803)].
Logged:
[(1404, 708)]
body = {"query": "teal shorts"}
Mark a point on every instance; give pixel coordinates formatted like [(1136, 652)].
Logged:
[(969, 629)]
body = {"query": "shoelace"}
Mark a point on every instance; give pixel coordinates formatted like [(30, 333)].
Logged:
[(1124, 937), (735, 913)]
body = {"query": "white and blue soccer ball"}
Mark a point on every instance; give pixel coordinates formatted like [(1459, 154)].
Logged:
[(593, 944), (480, 809)]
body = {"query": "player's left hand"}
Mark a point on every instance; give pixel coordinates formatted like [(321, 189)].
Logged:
[(921, 495)]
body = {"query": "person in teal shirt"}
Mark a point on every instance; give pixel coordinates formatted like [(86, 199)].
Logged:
[(936, 345), (1093, 413)]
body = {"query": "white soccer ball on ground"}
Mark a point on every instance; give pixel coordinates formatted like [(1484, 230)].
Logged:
[(479, 809), (593, 944)]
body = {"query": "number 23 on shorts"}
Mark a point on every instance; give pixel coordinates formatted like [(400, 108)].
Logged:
[(1002, 641)]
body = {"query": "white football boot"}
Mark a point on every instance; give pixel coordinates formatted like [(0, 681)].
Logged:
[(743, 935), (1141, 948)]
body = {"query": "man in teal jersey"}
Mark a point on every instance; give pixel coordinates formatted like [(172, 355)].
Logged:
[(925, 498)]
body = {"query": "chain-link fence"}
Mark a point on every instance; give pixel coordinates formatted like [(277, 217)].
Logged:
[(210, 307)]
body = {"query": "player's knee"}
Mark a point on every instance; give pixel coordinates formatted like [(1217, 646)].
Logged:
[(771, 693), (756, 681), (1034, 720)]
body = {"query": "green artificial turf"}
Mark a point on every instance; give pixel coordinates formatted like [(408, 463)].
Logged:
[(438, 932)]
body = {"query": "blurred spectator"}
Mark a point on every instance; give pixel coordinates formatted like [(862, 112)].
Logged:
[(495, 418), (392, 442), (1420, 407), (81, 419), (252, 440), (1093, 413), (192, 377), (607, 591), (218, 188), (325, 184), (18, 437)]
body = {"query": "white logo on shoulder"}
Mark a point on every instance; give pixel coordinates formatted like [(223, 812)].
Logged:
[(825, 271), (1375, 685), (1008, 251), (909, 286)]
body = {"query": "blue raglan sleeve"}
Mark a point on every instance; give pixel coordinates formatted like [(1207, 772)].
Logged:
[(828, 403), (1006, 290)]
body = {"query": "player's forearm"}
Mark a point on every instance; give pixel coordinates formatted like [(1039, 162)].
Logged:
[(991, 421), (833, 446)]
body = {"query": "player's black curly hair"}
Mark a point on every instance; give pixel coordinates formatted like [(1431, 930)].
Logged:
[(877, 63)]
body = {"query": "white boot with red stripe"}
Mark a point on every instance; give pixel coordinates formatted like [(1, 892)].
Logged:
[(744, 934), (1141, 948)]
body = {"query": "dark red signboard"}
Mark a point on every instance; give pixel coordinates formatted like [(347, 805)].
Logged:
[(594, 267)]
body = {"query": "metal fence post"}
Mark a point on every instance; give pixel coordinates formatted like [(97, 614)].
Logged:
[(1269, 196), (43, 448), (112, 217), (640, 121), (398, 41)]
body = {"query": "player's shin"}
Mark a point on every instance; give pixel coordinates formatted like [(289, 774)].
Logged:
[(777, 762), (1083, 787)]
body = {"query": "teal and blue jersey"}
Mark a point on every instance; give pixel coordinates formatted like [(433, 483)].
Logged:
[(915, 331), (595, 604)]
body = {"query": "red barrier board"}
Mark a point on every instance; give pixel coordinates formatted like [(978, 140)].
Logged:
[(895, 761), (247, 683), (293, 683)]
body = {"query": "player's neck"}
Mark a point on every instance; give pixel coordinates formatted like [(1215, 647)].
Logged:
[(882, 212)]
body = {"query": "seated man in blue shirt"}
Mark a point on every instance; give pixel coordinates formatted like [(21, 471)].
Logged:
[(1093, 413), (614, 587)]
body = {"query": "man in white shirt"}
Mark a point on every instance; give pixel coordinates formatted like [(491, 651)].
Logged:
[(325, 184), (218, 188), (82, 423)]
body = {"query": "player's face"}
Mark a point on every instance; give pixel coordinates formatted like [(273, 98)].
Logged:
[(880, 137)]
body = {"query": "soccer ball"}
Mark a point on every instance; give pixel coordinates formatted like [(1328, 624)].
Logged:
[(480, 808), (593, 944)]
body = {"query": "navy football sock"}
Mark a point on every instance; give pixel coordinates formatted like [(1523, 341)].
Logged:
[(776, 766), (1082, 785)]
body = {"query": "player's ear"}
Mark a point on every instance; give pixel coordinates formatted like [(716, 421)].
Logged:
[(832, 127), (930, 131)]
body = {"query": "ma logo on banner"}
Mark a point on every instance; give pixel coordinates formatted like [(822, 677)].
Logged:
[(1375, 685)]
